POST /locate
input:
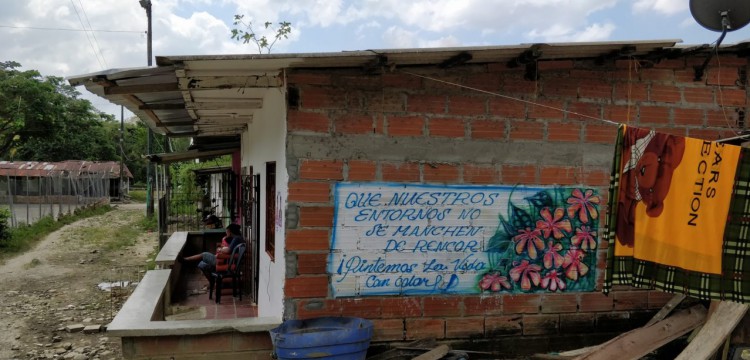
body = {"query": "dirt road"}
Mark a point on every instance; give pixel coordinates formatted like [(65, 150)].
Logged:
[(50, 292)]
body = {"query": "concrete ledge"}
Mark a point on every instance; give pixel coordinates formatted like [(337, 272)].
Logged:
[(171, 250), (143, 314)]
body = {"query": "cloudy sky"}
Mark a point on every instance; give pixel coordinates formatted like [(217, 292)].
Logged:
[(49, 36)]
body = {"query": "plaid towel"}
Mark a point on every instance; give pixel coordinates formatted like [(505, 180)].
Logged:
[(732, 283)]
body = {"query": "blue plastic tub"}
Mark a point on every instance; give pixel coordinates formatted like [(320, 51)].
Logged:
[(322, 338)]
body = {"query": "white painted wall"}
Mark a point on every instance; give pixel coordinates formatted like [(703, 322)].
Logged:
[(265, 141)]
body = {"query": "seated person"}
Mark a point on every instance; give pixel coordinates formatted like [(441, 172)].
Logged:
[(212, 222), (207, 262)]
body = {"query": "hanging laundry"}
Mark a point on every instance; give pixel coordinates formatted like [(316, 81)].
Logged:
[(679, 216)]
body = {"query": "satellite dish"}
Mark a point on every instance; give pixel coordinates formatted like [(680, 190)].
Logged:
[(721, 15)]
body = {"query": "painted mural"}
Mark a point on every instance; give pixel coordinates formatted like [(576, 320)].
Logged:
[(417, 239)]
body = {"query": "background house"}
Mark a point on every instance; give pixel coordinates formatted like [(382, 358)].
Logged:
[(340, 152)]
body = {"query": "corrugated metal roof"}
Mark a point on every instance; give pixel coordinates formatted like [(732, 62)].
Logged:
[(73, 168), (198, 95)]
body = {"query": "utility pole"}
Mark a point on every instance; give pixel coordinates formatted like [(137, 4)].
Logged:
[(122, 151), (146, 5)]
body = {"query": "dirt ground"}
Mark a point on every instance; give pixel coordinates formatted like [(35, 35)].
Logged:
[(73, 278)]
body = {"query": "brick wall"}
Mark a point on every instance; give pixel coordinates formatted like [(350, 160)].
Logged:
[(397, 127)]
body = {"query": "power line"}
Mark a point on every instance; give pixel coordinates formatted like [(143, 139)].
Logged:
[(68, 29), (97, 53), (92, 34)]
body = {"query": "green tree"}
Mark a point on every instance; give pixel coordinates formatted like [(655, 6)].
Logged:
[(246, 34)]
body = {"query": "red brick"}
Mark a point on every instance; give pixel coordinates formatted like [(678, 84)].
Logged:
[(206, 343), (307, 239), (670, 64), (503, 325), (312, 263), (487, 129), (308, 78), (308, 121), (501, 66), (540, 324), (317, 98), (665, 93), (723, 76), (321, 170), (526, 130), (630, 92), (631, 300), (441, 306), (590, 74), (355, 124), (430, 104), (595, 89), (359, 82), (361, 170), (464, 327), (477, 174), (519, 174), (547, 109), (401, 81), (595, 133), (559, 303), (521, 304), (591, 302), (399, 307), (484, 81), (560, 87), (583, 111), (307, 309), (306, 286), (507, 108), (465, 105), (653, 74), (309, 192), (440, 173), (653, 115), (726, 117), (564, 132), (405, 125), (711, 134), (363, 307), (688, 116), (452, 128), (731, 97), (316, 216), (425, 328), (621, 114), (559, 175), (577, 323), (157, 345), (403, 172), (554, 65), (596, 177), (388, 329), (701, 95), (657, 299), (483, 305), (685, 77), (383, 102)]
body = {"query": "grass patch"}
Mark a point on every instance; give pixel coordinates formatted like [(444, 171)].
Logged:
[(148, 223), (137, 196), (34, 263), (24, 237)]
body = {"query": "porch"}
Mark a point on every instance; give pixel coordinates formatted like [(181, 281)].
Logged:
[(166, 317)]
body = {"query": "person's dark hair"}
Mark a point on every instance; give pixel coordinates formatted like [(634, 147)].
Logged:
[(234, 229)]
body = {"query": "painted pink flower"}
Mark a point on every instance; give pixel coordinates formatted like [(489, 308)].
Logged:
[(527, 273), (552, 257), (573, 264), (530, 240), (553, 282), (583, 204), (584, 238), (494, 282), (553, 225)]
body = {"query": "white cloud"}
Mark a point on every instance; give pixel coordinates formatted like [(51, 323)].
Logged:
[(667, 7), (397, 37), (557, 33)]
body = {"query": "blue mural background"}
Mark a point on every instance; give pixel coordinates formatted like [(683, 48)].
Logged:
[(417, 239)]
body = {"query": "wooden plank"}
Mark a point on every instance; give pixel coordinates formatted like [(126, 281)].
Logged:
[(639, 342), (434, 354), (715, 331), (666, 309)]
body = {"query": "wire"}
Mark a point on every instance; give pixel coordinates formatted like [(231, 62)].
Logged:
[(68, 29), (96, 53), (511, 98), (721, 93), (92, 34)]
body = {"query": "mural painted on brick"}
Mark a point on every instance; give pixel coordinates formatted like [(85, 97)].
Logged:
[(415, 239)]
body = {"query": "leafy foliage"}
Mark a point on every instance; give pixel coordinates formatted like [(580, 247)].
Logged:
[(247, 34)]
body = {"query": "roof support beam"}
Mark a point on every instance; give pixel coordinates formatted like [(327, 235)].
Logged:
[(141, 88)]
